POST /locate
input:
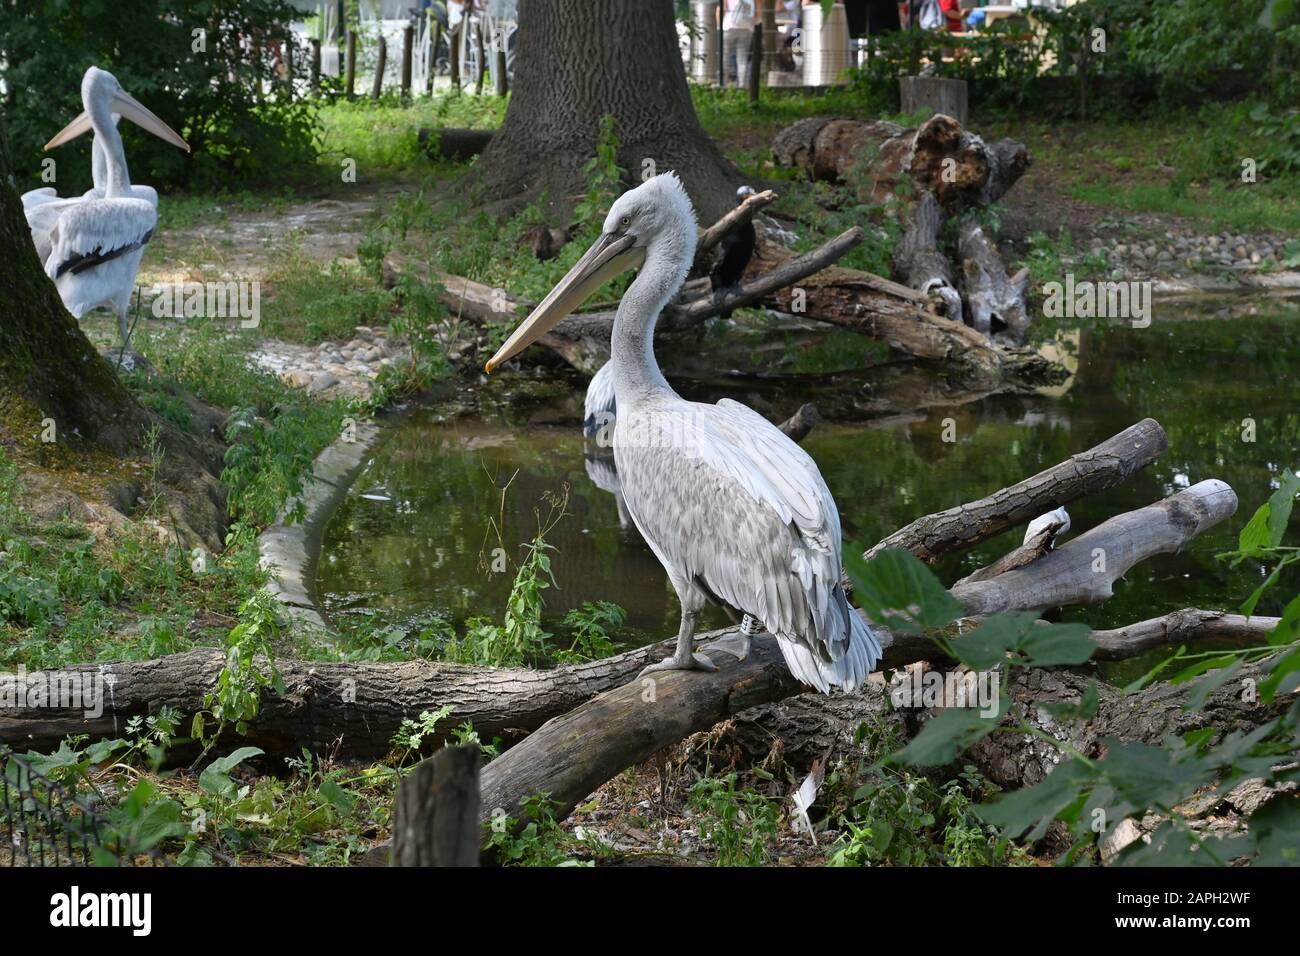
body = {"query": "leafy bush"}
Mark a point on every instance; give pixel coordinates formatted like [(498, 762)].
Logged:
[(231, 100)]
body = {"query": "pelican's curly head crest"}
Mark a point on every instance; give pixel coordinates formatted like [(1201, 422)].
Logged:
[(658, 211)]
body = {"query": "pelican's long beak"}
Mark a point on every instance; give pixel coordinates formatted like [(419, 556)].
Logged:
[(126, 105), (608, 257)]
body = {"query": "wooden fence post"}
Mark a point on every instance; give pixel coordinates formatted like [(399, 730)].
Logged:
[(350, 73), (435, 29), (940, 94), (436, 813), (500, 67), (408, 44), (722, 53), (315, 65), (755, 62), (482, 59), (379, 69), (453, 52)]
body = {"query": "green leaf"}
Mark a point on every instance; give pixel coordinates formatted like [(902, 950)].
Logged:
[(1201, 692), (897, 590), (215, 777), (1280, 677), (1036, 644), (945, 735), (1276, 826), (1279, 507), (1033, 808), (1288, 626)]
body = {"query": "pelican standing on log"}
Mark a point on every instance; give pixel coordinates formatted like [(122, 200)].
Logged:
[(735, 511), (96, 244)]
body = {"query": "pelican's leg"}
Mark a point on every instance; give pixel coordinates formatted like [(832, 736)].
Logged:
[(736, 643), (684, 658)]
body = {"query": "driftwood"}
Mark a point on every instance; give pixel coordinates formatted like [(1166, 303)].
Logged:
[(918, 261), (1084, 569), (798, 425), (1103, 466), (876, 157), (990, 295)]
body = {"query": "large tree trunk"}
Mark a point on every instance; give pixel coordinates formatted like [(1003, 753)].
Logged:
[(53, 384), (48, 369), (579, 60)]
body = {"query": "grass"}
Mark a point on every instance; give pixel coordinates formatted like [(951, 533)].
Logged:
[(1152, 165)]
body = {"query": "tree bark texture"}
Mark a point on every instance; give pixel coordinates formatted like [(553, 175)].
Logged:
[(579, 60)]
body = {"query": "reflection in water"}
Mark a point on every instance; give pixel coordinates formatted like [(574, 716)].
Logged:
[(414, 536)]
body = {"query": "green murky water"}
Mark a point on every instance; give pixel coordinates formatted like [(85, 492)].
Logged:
[(415, 536)]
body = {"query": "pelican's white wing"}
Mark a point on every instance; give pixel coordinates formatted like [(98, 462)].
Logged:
[(37, 197), (598, 409), (728, 501), (42, 218), (90, 234)]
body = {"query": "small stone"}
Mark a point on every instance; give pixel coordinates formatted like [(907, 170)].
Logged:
[(374, 355), (321, 382), (300, 378), (365, 332)]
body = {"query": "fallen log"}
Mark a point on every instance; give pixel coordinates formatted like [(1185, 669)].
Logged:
[(1084, 569), (876, 157), (918, 261), (810, 727), (459, 145), (1103, 466)]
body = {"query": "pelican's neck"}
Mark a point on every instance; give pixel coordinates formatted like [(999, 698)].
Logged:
[(109, 141), (632, 350)]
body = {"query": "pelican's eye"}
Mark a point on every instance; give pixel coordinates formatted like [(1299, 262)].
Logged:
[(625, 221)]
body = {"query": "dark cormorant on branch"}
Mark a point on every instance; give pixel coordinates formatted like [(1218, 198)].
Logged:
[(735, 251)]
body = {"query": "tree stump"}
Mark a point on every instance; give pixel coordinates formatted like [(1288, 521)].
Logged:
[(940, 95), (435, 816)]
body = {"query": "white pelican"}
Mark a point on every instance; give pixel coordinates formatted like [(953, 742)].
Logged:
[(43, 207), (98, 240), (734, 510)]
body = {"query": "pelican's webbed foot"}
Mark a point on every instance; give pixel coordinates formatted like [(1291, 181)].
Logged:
[(694, 662), (735, 643)]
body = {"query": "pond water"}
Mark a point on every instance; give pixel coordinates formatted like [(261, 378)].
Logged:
[(414, 536)]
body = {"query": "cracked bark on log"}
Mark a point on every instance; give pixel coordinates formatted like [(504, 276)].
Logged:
[(939, 155), (990, 295), (1101, 467), (918, 261)]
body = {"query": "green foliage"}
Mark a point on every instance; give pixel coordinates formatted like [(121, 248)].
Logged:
[(1093, 796), (740, 824), (591, 625), (250, 667), (604, 178), (540, 842), (238, 115), (898, 818)]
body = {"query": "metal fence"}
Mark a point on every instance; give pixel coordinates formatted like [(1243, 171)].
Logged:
[(48, 824)]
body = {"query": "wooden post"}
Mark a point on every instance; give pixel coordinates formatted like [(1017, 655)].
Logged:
[(435, 31), (408, 44), (755, 62), (482, 58), (914, 26), (500, 81), (939, 94), (315, 65), (722, 52), (453, 51), (379, 69), (350, 73), (770, 34), (436, 813)]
